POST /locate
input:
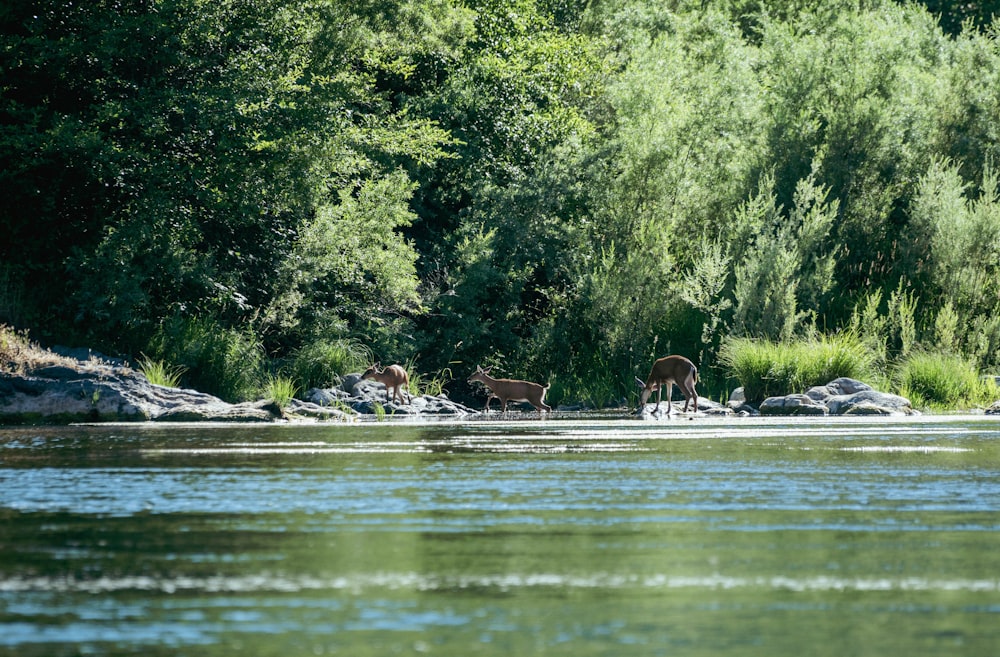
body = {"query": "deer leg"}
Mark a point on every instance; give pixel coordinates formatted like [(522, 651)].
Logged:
[(670, 393), (690, 393)]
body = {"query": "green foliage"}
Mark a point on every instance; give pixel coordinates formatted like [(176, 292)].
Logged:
[(223, 362), (279, 389), (426, 384), (349, 265), (569, 190), (703, 288), (943, 381), (319, 362), (161, 373), (783, 262), (765, 368)]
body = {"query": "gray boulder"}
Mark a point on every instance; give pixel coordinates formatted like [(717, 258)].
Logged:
[(841, 396), (91, 392), (366, 397), (705, 407), (870, 402), (793, 405), (739, 405), (836, 388)]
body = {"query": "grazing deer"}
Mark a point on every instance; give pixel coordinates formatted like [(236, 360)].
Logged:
[(393, 378), (666, 372), (511, 390)]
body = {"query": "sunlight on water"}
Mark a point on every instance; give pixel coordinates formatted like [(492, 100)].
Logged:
[(505, 582), (571, 535)]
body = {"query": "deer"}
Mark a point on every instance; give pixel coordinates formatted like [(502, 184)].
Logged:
[(511, 390), (394, 378), (666, 372)]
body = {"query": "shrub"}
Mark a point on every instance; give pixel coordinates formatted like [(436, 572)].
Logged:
[(221, 361), (14, 349), (942, 380), (319, 363)]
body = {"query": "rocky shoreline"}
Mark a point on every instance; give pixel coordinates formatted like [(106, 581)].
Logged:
[(95, 390), (69, 390)]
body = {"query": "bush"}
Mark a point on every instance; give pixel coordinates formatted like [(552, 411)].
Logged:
[(319, 363), (766, 369), (943, 380), (220, 361)]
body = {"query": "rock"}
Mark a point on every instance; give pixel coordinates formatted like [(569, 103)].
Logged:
[(994, 409), (836, 388), (366, 397), (100, 393), (349, 381), (792, 405), (846, 386), (705, 406), (220, 411), (303, 409), (870, 402), (327, 396), (841, 396)]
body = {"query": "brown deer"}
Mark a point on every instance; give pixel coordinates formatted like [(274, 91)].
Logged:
[(394, 378), (666, 372), (511, 390)]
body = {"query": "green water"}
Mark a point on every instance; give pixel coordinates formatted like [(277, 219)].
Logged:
[(566, 536)]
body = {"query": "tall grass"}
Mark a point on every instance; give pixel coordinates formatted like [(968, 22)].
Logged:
[(280, 390), (161, 373), (427, 384), (942, 380), (221, 361), (319, 363), (18, 354), (765, 368)]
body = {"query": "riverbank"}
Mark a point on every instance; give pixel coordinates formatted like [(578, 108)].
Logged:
[(41, 386)]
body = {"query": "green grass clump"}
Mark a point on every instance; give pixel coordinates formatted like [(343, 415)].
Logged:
[(943, 381), (427, 384), (221, 361), (160, 373), (280, 389), (765, 368), (319, 363)]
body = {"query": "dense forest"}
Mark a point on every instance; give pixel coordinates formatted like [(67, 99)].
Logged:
[(563, 190)]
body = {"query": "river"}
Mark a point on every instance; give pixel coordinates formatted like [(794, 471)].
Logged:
[(571, 535)]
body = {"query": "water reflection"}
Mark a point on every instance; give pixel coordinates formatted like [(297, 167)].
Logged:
[(573, 536)]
